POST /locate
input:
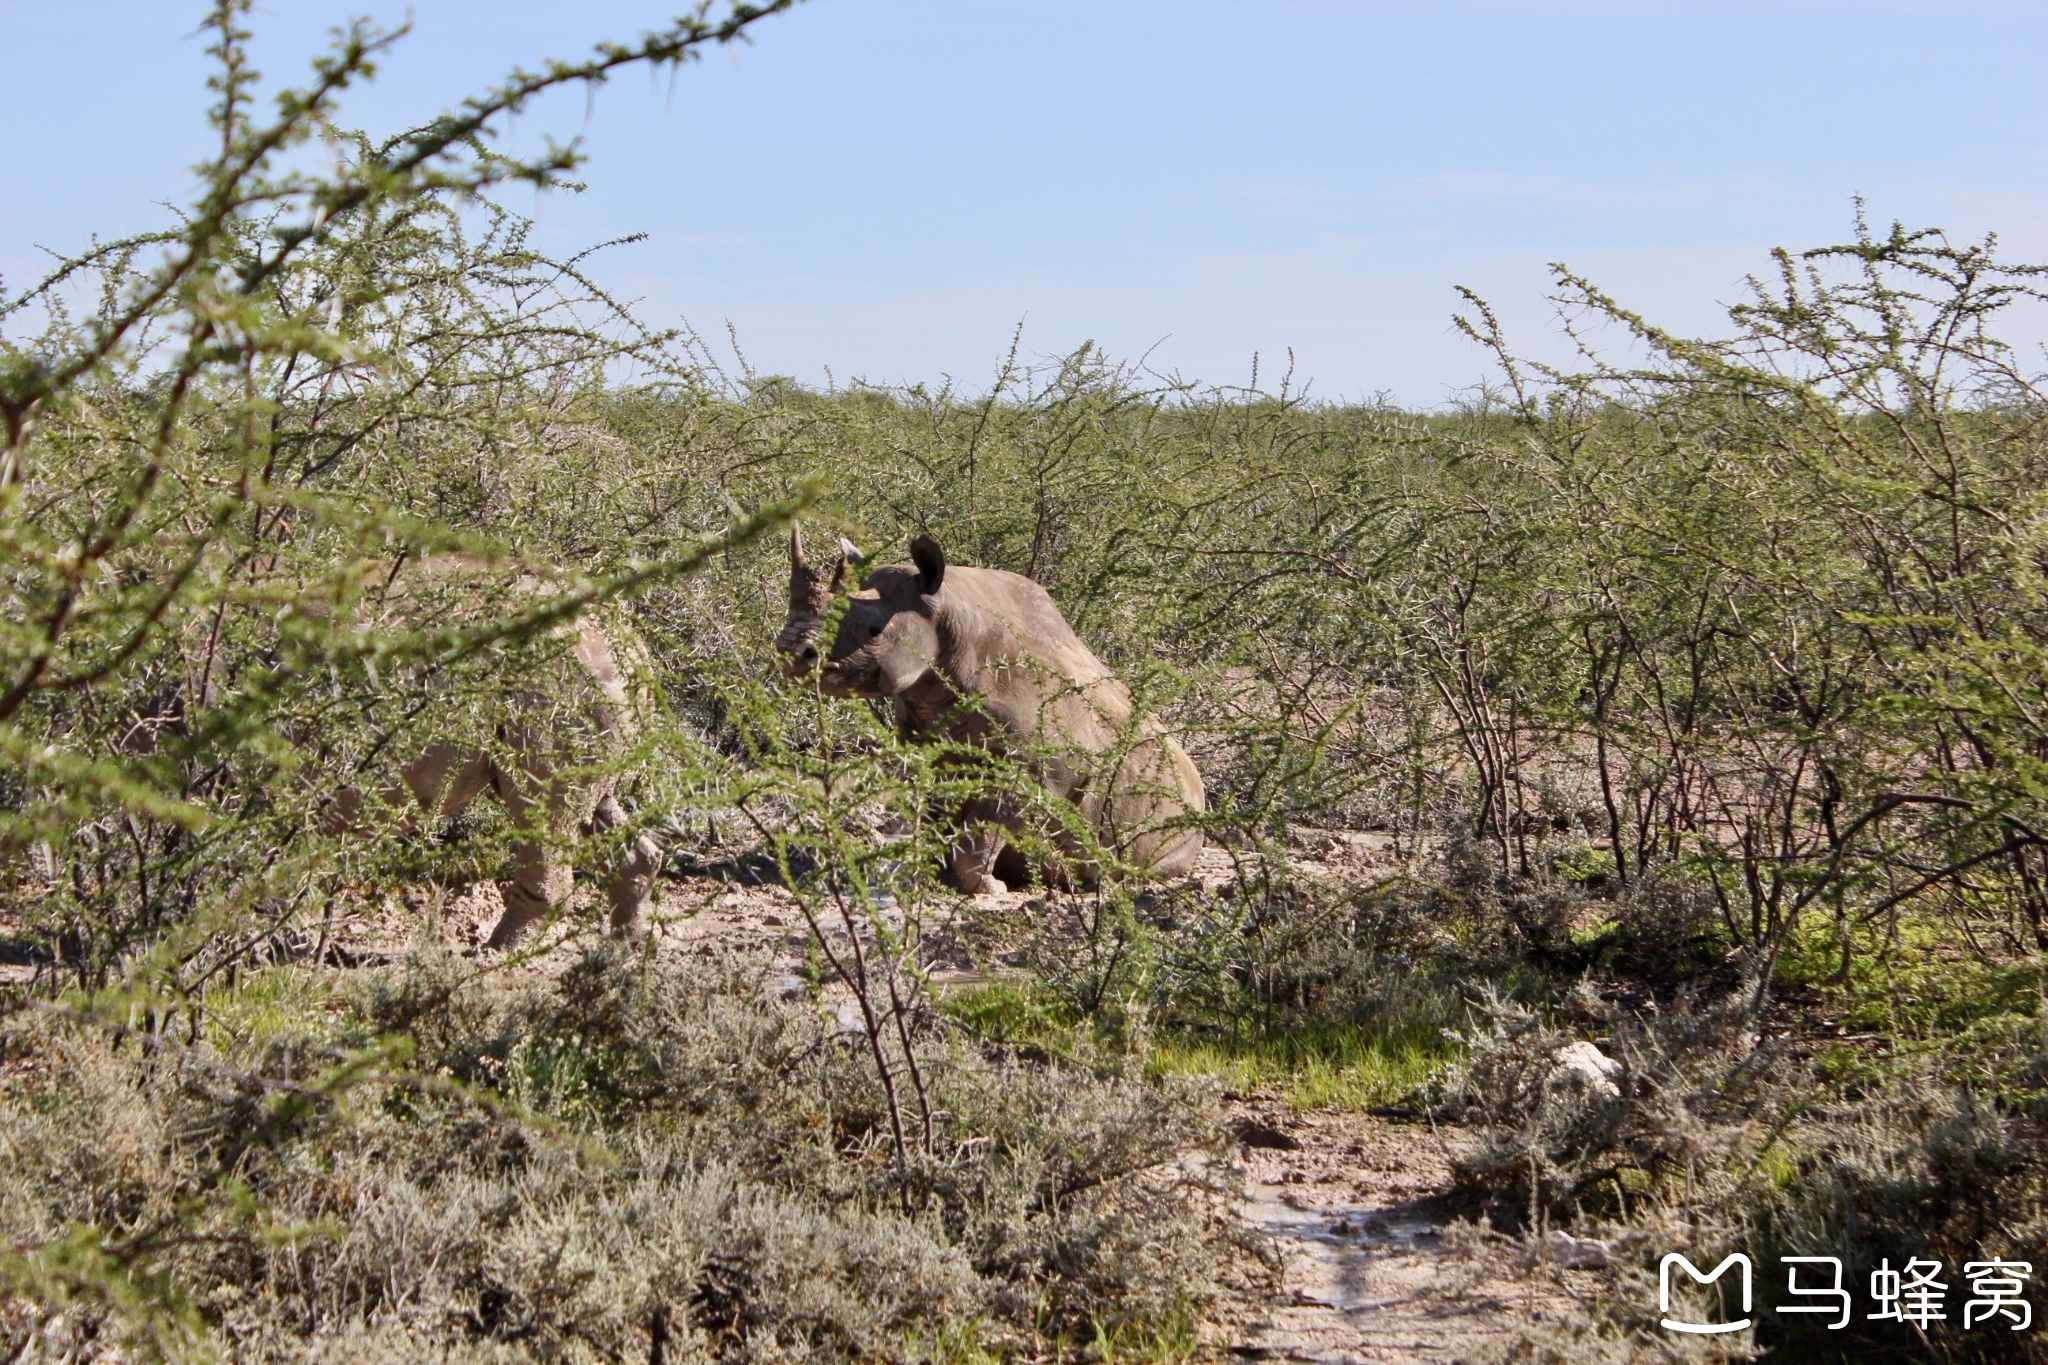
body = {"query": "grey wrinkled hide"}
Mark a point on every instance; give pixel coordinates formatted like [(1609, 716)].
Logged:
[(594, 697), (983, 656)]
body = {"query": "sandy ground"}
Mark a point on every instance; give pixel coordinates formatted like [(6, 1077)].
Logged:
[(1374, 1270)]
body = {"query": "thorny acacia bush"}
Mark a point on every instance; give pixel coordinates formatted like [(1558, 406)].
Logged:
[(218, 473), (214, 472), (1767, 613), (1728, 662)]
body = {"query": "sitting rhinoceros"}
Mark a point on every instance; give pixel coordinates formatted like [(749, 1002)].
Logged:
[(590, 715), (983, 656)]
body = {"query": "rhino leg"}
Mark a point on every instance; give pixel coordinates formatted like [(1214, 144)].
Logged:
[(541, 878), (632, 885), (537, 885), (972, 863), (444, 779), (1013, 869), (1157, 788)]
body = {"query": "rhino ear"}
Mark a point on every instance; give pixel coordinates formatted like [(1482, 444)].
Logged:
[(930, 561), (849, 558)]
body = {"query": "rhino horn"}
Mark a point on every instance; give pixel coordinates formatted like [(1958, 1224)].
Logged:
[(807, 589)]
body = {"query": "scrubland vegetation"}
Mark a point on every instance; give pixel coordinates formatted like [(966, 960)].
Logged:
[(1699, 704)]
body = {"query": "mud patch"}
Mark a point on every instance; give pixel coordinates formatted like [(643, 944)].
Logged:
[(1373, 1268)]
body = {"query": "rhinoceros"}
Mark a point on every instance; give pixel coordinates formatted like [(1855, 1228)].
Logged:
[(984, 657), (588, 712)]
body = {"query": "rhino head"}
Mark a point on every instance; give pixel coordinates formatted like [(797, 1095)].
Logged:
[(888, 639)]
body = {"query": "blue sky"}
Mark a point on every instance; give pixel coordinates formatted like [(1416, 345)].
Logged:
[(887, 187)]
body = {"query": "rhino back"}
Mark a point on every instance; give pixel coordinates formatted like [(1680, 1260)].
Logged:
[(1017, 616)]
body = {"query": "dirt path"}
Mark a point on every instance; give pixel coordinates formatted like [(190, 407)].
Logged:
[(1372, 1269)]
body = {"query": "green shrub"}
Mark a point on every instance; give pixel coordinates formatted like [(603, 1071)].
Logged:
[(656, 1145)]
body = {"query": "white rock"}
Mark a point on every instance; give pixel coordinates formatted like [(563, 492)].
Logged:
[(1577, 1253), (1583, 1059)]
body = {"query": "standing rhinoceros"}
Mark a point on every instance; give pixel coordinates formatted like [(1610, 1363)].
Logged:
[(587, 711), (983, 656)]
